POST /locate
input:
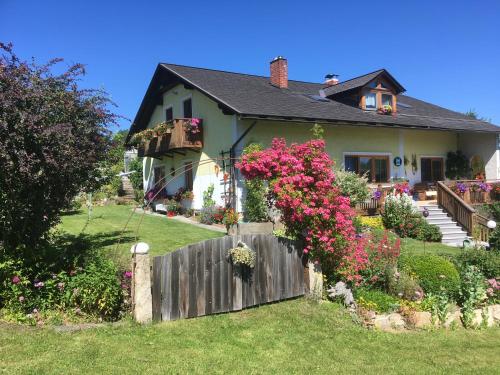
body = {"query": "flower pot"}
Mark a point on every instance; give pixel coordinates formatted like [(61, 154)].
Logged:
[(171, 213)]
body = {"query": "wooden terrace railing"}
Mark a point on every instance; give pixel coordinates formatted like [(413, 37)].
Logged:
[(462, 212)]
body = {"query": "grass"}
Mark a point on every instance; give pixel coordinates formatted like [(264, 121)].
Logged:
[(411, 246), (104, 230), (296, 336), (290, 337)]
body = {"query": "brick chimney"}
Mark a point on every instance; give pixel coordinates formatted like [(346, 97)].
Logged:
[(279, 72), (331, 79)]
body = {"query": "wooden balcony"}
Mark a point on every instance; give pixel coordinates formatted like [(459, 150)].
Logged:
[(178, 138)]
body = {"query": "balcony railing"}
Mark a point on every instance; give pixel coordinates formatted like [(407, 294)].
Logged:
[(181, 134)]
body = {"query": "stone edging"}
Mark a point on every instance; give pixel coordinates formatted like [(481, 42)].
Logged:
[(423, 319)]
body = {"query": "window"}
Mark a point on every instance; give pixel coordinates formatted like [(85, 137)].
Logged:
[(188, 108), (159, 176), (432, 169), (188, 176), (371, 100), (375, 167), (387, 99), (169, 114)]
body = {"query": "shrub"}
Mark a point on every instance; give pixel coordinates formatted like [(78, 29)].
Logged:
[(401, 215), (96, 290), (352, 185), (428, 232), (375, 299), (398, 211), (494, 210), (488, 262), (472, 293), (136, 178), (207, 215), (433, 273), (403, 285), (494, 240), (32, 287), (372, 222), (457, 165), (255, 206), (53, 136), (208, 209), (382, 253), (301, 185)]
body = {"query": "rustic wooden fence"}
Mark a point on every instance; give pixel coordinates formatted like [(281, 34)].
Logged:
[(200, 279)]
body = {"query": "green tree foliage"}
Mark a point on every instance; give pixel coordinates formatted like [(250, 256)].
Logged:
[(136, 179), (53, 135), (112, 165), (255, 204)]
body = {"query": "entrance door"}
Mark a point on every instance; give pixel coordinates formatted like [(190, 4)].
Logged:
[(432, 169)]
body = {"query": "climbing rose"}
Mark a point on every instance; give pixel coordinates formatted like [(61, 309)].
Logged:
[(301, 180)]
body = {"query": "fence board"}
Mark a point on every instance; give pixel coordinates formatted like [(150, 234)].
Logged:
[(174, 309), (207, 246), (166, 286), (156, 289), (192, 298), (200, 279)]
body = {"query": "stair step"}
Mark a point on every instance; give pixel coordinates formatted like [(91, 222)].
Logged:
[(437, 221)]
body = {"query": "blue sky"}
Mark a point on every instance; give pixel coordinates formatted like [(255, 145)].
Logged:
[(445, 52)]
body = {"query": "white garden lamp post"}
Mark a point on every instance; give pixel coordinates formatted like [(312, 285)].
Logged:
[(491, 224)]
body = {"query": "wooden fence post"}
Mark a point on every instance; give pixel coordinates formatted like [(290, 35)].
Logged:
[(142, 305), (315, 274)]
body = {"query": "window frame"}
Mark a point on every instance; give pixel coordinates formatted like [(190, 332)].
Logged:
[(169, 107), (190, 98), (377, 88), (432, 158), (373, 157)]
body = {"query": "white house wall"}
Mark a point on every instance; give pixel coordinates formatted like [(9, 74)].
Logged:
[(484, 145)]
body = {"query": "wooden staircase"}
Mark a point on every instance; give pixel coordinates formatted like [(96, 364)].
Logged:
[(452, 232)]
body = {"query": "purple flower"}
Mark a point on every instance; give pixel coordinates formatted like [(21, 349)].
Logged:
[(16, 280), (461, 187), (377, 194), (485, 187), (127, 274)]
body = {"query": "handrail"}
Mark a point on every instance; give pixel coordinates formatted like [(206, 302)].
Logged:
[(462, 212), (456, 196)]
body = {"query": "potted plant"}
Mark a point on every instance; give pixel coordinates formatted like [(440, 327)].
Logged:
[(172, 207), (385, 110), (230, 218), (242, 255)]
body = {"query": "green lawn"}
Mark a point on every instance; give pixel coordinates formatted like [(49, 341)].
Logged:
[(104, 230), (296, 336), (289, 337)]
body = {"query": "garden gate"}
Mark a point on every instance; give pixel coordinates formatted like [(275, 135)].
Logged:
[(200, 279)]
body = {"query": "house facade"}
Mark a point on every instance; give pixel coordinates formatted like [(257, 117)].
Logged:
[(370, 127)]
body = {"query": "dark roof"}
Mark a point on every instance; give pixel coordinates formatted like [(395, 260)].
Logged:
[(361, 81), (254, 96)]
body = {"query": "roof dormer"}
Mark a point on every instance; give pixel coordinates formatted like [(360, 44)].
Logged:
[(375, 91)]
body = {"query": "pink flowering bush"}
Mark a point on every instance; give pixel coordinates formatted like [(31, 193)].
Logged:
[(301, 186)]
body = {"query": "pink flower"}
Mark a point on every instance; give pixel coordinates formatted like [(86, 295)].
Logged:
[(127, 274), (16, 280)]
